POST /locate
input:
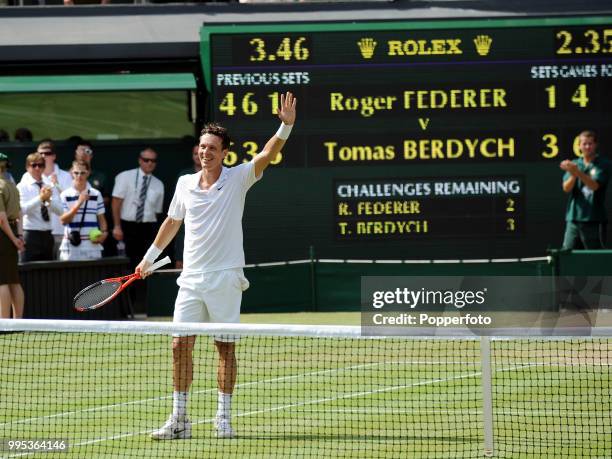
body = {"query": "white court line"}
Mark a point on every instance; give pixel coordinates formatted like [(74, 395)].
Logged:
[(250, 383), (572, 364), (295, 405)]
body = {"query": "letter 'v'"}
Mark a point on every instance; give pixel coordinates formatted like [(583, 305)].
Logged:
[(424, 122)]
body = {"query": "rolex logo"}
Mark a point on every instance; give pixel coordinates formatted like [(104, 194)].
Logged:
[(366, 47), (483, 44)]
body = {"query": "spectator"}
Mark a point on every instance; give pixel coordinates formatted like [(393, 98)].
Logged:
[(60, 180), (23, 135), (86, 2), (586, 180), (8, 177), (11, 241), (196, 166), (4, 136), (38, 202), (83, 212), (74, 140), (179, 241), (137, 201), (6, 174), (97, 179)]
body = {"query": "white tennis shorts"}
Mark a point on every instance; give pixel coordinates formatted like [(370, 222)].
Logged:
[(210, 297)]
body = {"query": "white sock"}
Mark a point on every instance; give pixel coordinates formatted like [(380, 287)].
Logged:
[(179, 404), (224, 405)]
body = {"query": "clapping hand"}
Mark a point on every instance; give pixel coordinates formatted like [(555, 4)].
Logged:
[(45, 194), (569, 166)]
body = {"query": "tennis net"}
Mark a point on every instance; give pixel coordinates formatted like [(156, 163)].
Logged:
[(100, 388)]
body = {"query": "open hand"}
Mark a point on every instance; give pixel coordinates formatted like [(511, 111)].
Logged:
[(286, 111)]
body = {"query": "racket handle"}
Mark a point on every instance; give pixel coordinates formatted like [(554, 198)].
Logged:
[(158, 264)]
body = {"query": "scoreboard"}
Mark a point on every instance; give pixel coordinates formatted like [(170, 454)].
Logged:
[(437, 139)]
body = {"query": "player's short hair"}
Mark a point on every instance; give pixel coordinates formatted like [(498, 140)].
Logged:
[(590, 134), (219, 131)]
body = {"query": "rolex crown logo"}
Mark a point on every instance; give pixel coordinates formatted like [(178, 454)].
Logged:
[(366, 47), (483, 44)]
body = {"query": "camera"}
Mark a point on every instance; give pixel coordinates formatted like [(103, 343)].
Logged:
[(75, 238)]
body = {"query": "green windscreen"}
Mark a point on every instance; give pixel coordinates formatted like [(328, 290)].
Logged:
[(97, 115)]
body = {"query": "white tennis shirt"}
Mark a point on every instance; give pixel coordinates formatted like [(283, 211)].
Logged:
[(213, 218)]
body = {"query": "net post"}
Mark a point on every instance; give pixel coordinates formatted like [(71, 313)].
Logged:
[(487, 395)]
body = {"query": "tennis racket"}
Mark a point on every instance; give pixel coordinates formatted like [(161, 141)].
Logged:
[(104, 291)]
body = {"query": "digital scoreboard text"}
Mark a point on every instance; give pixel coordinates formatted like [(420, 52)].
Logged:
[(438, 131)]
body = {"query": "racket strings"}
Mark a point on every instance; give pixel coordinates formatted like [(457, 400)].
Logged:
[(96, 294)]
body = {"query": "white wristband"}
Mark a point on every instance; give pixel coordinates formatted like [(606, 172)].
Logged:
[(284, 130), (152, 254)]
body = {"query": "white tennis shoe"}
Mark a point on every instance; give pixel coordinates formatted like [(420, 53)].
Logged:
[(224, 428), (174, 428)]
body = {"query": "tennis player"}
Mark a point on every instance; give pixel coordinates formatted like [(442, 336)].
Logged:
[(211, 203)]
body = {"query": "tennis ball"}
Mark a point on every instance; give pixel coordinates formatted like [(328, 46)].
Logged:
[(94, 234)]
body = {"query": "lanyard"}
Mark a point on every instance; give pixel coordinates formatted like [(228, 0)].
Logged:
[(136, 181)]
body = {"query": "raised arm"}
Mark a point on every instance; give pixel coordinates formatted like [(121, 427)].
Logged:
[(28, 204), (286, 113), (69, 215), (55, 203)]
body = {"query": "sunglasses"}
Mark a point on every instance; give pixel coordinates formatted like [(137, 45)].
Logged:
[(47, 153), (77, 173), (39, 165), (148, 160)]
